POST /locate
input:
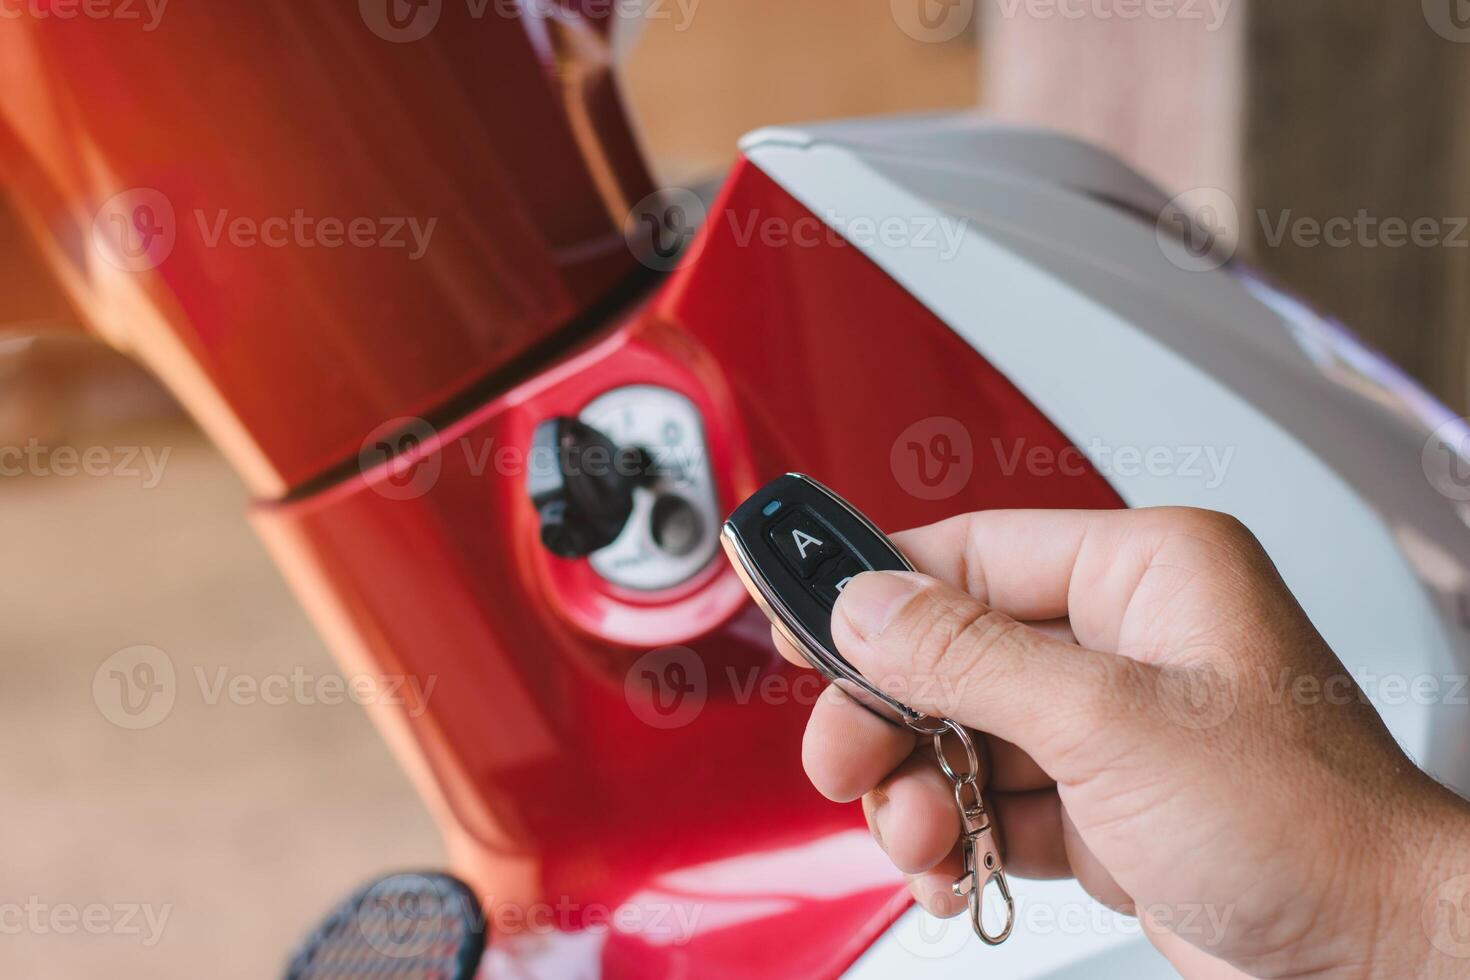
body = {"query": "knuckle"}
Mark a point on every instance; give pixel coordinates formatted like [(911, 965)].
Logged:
[(955, 639), (1212, 526), (1108, 701), (1112, 687), (1209, 523), (972, 567), (1109, 689)]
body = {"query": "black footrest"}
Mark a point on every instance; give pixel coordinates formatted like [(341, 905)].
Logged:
[(418, 926)]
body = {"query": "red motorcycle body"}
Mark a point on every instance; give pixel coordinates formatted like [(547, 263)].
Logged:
[(616, 773)]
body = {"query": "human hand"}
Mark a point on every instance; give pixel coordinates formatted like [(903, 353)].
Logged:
[(1128, 669)]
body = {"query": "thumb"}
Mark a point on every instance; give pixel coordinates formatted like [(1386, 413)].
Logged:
[(946, 653)]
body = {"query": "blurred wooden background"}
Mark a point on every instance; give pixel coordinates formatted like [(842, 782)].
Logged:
[(738, 65), (1308, 109), (1357, 104), (1312, 109)]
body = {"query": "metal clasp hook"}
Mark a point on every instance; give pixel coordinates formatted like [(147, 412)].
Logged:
[(983, 858), (969, 886)]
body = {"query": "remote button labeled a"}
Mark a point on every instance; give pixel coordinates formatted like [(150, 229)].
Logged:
[(803, 542)]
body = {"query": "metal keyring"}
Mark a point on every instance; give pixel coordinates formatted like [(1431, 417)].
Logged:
[(983, 863)]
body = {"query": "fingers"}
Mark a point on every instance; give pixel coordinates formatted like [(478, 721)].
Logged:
[(932, 889), (848, 750), (947, 654), (1011, 769), (1030, 827), (1030, 830), (1058, 629), (786, 650), (1040, 565), (913, 816), (1090, 873), (1018, 561)]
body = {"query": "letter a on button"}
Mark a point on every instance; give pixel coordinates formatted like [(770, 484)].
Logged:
[(804, 541), (801, 541)]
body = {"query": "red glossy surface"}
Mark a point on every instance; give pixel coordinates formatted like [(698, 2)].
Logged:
[(564, 791), (288, 340)]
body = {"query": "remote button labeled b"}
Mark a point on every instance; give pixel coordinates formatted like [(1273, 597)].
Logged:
[(803, 542), (833, 578)]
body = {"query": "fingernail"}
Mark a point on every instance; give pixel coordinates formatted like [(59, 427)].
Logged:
[(935, 896), (871, 600), (874, 804)]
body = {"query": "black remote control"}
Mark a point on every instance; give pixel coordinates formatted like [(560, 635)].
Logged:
[(795, 544)]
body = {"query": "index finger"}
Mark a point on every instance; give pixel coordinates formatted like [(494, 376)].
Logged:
[(1036, 565), (1017, 561)]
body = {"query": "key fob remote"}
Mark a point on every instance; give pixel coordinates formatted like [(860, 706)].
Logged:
[(795, 544)]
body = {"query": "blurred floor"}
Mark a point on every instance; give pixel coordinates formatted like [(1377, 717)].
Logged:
[(239, 822)]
